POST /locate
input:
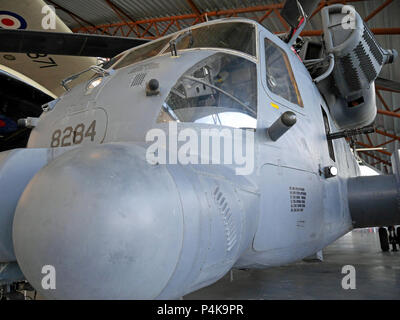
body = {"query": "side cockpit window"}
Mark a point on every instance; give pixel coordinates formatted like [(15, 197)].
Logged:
[(220, 90), (280, 78)]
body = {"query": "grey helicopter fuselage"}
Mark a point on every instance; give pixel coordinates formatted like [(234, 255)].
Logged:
[(115, 226)]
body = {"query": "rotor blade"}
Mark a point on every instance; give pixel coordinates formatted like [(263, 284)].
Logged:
[(387, 84), (69, 44)]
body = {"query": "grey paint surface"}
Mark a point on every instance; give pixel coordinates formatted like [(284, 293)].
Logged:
[(99, 13), (115, 226), (15, 173)]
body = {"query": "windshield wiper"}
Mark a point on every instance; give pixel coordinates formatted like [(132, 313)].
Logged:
[(96, 68), (173, 43), (223, 92)]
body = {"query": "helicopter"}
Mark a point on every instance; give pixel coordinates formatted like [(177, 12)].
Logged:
[(122, 190)]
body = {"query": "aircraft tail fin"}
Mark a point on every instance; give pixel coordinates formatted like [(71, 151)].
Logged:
[(47, 70), (27, 15)]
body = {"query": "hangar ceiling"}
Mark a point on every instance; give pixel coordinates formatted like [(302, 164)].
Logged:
[(156, 18)]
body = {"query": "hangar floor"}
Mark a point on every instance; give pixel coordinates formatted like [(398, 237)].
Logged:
[(377, 275)]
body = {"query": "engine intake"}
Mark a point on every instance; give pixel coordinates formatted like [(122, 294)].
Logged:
[(358, 61)]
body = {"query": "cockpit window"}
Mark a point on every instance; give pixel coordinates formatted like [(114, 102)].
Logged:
[(238, 36), (280, 78), (220, 90), (142, 53)]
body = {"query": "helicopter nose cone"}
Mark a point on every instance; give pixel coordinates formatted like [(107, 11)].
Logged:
[(107, 221)]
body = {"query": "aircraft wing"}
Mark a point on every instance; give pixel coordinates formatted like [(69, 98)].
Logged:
[(45, 68), (71, 44)]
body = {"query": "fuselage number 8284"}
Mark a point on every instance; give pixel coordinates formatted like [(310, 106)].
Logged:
[(73, 136)]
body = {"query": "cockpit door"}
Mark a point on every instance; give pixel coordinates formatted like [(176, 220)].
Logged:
[(291, 216)]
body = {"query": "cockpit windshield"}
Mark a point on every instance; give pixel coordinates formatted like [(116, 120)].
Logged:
[(238, 36), (220, 90)]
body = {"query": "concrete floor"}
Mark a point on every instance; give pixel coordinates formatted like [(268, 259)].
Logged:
[(377, 275)]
